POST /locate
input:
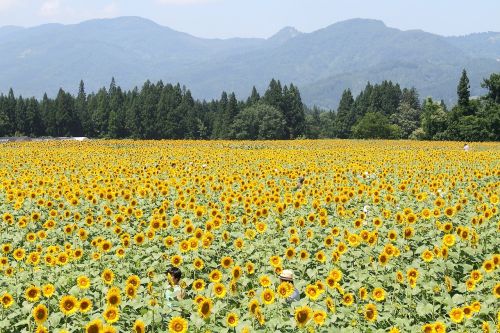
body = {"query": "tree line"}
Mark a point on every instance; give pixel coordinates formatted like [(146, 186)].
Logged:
[(166, 111)]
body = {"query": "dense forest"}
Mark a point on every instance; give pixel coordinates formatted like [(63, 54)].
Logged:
[(166, 111)]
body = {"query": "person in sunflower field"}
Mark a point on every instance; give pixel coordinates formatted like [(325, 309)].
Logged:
[(300, 182), (174, 292), (287, 276)]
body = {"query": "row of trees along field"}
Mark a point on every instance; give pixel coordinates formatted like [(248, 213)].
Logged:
[(166, 111)]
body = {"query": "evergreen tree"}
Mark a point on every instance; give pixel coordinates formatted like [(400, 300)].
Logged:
[(274, 94), (133, 122), (65, 119), (10, 105), (21, 117), (254, 97), (100, 116), (293, 113), (219, 131), (463, 91), (116, 123), (82, 111), (345, 118), (34, 119), (230, 112), (4, 117)]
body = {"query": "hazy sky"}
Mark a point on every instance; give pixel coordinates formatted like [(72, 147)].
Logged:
[(262, 18)]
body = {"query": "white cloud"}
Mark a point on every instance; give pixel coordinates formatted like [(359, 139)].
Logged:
[(110, 10), (184, 2), (63, 12), (50, 8), (7, 4)]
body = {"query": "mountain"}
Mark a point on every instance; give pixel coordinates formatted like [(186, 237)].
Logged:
[(322, 63), (284, 35), (480, 45)]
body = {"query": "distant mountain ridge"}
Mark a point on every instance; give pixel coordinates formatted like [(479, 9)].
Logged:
[(322, 63)]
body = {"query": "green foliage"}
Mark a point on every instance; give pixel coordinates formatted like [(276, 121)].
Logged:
[(434, 119), (158, 111), (493, 85), (259, 121), (375, 126)]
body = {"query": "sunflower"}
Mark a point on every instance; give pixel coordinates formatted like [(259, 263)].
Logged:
[(113, 297), (476, 306), (111, 314), (275, 261), (177, 325), (370, 312), (427, 256), (232, 319), (83, 282), (130, 291), (489, 266), (134, 280), (7, 300), (68, 305), (363, 293), (336, 275), (457, 315), (95, 326), (449, 211), (312, 292), (253, 305), (285, 289), (439, 327), (321, 257), (319, 317), (302, 315), (476, 275), (139, 326), (108, 276), (236, 272), (19, 254), (428, 328), (199, 285), (198, 264), (260, 316), (383, 259), (378, 294), (215, 276), (32, 294), (412, 273), (41, 329), (205, 308), (62, 259), (348, 299), (449, 240), (330, 304), (468, 312), (85, 305), (267, 296), (176, 260), (40, 314), (265, 281), (108, 329), (219, 290), (496, 290)]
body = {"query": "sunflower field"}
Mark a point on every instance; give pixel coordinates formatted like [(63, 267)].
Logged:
[(383, 236)]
